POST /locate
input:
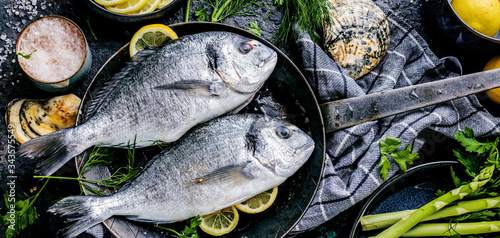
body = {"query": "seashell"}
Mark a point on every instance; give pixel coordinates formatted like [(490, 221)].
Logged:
[(358, 37), (32, 118)]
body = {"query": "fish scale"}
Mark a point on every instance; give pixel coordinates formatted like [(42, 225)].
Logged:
[(161, 94), (218, 164)]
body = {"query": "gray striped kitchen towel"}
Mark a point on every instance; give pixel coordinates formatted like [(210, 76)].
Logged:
[(351, 172)]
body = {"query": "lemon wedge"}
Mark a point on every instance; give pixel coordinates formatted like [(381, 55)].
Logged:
[(109, 2), (259, 203), (150, 35), (221, 222), (164, 3), (493, 94), (128, 6), (149, 7)]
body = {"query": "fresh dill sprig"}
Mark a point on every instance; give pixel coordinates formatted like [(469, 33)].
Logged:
[(307, 15), (225, 8), (104, 156)]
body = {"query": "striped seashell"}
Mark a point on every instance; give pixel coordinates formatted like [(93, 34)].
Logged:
[(358, 37)]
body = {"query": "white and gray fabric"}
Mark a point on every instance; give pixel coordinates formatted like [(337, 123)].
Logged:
[(351, 172)]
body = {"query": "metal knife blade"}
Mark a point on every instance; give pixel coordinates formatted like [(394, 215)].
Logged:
[(352, 111)]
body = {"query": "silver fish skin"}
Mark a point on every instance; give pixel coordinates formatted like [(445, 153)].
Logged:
[(162, 94), (218, 164)]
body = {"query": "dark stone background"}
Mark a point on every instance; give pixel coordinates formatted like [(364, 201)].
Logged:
[(430, 18)]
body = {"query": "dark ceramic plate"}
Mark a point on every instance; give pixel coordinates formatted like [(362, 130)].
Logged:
[(411, 190), (495, 38), (287, 87), (122, 18)]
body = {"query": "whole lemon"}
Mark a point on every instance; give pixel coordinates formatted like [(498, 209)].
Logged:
[(482, 15), (493, 94)]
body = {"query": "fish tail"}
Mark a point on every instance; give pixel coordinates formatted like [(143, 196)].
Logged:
[(52, 151), (82, 210)]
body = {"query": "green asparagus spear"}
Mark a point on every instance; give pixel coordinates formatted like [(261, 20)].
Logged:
[(418, 215), (450, 229), (378, 221)]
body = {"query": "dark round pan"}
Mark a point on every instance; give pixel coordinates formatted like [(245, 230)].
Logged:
[(287, 87)]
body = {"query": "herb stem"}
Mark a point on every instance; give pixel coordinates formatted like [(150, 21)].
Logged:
[(68, 178), (188, 6), (171, 230)]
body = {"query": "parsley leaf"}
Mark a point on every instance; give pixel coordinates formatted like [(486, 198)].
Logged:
[(384, 166), (402, 158), (201, 14), (467, 140), (456, 180), (25, 213), (189, 232)]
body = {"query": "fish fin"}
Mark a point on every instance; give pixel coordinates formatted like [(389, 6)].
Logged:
[(244, 104), (124, 74), (233, 173), (200, 87), (136, 218), (52, 149), (81, 211)]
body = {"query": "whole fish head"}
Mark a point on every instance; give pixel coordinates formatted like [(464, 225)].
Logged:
[(248, 63), (279, 146)]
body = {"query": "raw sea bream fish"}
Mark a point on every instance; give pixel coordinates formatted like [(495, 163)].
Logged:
[(162, 94), (216, 165)]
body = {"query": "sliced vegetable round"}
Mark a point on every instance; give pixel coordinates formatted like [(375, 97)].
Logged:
[(128, 6), (259, 203), (150, 35), (221, 222)]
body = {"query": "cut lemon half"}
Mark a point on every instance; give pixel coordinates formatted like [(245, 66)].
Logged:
[(221, 222), (150, 35), (109, 2), (164, 3), (259, 203), (149, 7), (128, 6)]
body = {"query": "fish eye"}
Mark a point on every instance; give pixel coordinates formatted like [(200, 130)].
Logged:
[(245, 47), (284, 132)]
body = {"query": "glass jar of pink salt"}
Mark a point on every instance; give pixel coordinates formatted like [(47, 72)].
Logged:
[(54, 53)]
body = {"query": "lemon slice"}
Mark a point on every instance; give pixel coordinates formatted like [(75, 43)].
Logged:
[(128, 6), (221, 222), (109, 2), (149, 7), (164, 3), (150, 35), (259, 203)]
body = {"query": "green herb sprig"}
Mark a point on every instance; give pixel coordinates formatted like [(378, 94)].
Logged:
[(402, 158), (307, 15), (24, 55), (226, 8), (254, 28), (190, 231), (24, 212)]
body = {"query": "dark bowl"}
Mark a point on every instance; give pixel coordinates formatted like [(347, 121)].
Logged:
[(410, 190), (495, 38), (127, 19)]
